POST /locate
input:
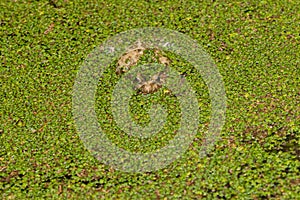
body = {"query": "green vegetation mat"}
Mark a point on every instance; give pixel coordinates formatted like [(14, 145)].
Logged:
[(255, 45)]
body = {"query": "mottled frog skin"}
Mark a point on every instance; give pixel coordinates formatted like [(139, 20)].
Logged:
[(131, 58)]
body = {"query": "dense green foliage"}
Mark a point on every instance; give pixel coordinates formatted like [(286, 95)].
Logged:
[(255, 45)]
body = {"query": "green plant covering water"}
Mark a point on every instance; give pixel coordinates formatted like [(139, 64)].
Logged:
[(255, 45)]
